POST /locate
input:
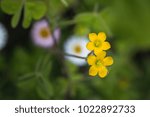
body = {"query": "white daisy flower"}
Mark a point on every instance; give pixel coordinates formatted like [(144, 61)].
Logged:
[(42, 35), (3, 36), (76, 45)]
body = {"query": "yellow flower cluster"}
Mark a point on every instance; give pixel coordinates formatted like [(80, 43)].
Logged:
[(98, 61)]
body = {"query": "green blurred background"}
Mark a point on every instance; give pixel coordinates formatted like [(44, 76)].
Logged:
[(30, 72)]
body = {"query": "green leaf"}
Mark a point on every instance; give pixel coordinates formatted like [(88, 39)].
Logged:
[(15, 19), (27, 18), (44, 87), (61, 87), (92, 20), (84, 18), (10, 6), (81, 30), (37, 9), (13, 7), (64, 2), (57, 7), (33, 10)]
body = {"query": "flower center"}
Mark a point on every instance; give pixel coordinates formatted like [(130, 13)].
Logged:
[(97, 43), (77, 49), (44, 32), (98, 63)]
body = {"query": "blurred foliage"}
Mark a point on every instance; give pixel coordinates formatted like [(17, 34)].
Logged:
[(33, 9), (29, 72)]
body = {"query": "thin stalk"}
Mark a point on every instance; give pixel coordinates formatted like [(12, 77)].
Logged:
[(57, 51), (90, 53), (71, 55)]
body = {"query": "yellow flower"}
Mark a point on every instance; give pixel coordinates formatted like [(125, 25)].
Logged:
[(97, 42), (98, 64)]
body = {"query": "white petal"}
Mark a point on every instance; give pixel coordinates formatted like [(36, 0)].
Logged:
[(69, 46), (3, 36)]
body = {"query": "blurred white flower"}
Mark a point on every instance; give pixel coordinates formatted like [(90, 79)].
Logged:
[(3, 36), (42, 35), (77, 46)]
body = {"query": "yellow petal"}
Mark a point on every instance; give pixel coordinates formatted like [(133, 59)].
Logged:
[(92, 37), (102, 72), (100, 54), (90, 46), (97, 50), (102, 36), (106, 46), (93, 71), (91, 59), (108, 61)]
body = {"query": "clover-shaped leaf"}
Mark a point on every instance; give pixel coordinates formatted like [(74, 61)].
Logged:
[(12, 7), (33, 10)]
